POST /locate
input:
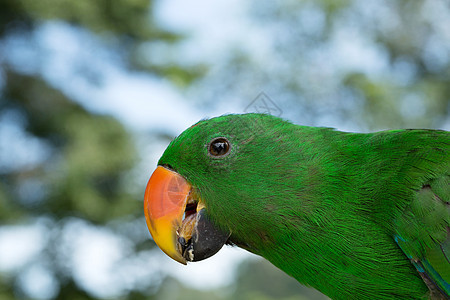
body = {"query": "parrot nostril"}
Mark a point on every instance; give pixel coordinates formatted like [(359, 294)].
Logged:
[(169, 167), (191, 205)]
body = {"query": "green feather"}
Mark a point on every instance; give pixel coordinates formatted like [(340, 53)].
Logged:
[(326, 206), (422, 233)]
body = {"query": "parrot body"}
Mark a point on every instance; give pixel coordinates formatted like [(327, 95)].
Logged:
[(356, 216)]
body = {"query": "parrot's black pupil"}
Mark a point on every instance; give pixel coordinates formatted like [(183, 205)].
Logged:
[(219, 147)]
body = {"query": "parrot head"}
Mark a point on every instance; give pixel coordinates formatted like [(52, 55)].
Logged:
[(211, 182)]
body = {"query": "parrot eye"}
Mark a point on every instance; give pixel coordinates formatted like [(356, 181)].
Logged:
[(219, 147)]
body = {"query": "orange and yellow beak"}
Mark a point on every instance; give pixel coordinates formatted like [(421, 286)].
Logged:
[(166, 196), (178, 220)]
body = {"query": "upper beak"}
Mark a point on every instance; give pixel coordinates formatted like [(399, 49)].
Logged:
[(165, 201)]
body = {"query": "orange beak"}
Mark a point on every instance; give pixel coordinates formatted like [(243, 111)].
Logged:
[(164, 204)]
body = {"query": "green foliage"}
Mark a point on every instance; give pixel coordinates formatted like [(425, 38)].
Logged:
[(363, 65), (99, 16), (174, 290), (259, 279), (125, 26), (91, 154), (256, 280), (81, 176)]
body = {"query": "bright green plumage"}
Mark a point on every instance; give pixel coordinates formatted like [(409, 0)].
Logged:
[(328, 207)]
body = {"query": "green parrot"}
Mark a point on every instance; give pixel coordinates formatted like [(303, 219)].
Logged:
[(356, 216)]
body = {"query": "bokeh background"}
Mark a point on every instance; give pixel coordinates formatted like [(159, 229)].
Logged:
[(91, 93)]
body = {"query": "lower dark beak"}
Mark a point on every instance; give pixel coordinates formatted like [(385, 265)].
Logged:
[(206, 239)]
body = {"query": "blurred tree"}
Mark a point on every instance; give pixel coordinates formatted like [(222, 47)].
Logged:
[(259, 279), (63, 168), (126, 26), (174, 290), (357, 64), (78, 175), (86, 156)]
